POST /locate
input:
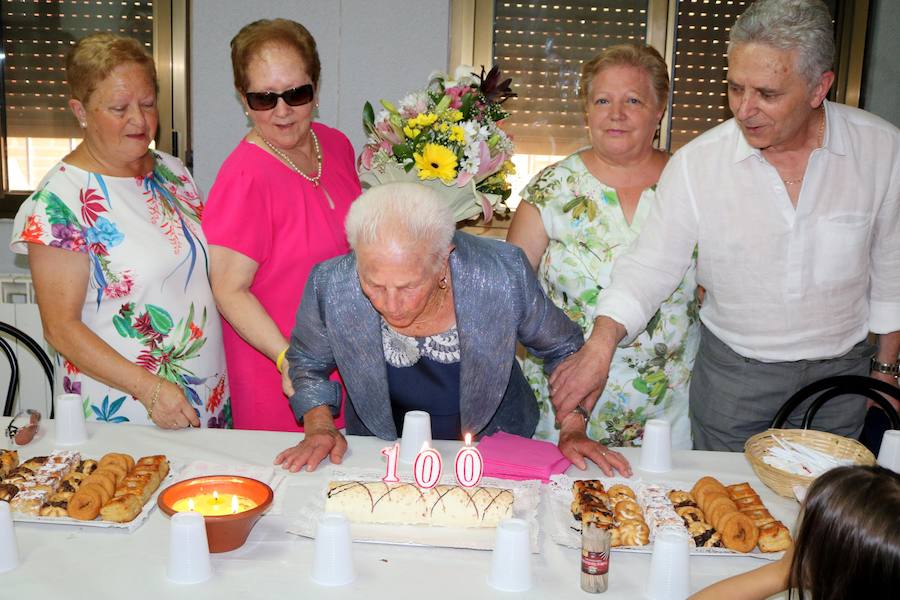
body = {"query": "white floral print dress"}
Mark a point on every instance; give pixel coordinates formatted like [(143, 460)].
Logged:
[(148, 296), (648, 379)]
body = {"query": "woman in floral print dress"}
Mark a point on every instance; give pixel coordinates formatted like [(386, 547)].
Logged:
[(577, 217), (118, 258)]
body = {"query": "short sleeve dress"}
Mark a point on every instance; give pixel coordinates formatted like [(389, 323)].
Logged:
[(262, 209), (148, 296), (649, 379)]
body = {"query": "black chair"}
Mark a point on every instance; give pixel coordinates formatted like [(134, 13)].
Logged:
[(38, 352), (832, 387)]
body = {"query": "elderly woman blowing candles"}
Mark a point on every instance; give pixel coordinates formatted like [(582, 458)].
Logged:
[(419, 317)]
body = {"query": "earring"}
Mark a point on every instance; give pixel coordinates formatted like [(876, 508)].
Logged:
[(443, 283), (84, 124)]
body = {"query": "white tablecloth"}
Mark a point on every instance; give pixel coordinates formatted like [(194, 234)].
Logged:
[(91, 563)]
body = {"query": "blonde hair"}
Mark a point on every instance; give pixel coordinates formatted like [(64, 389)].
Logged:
[(94, 57), (272, 32), (628, 55), (401, 212)]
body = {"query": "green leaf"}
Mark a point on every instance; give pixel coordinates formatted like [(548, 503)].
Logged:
[(368, 117), (402, 152), (160, 319), (610, 198), (57, 211), (123, 326), (167, 174), (641, 386), (590, 296)]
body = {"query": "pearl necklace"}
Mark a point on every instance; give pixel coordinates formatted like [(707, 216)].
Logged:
[(820, 139), (315, 179)]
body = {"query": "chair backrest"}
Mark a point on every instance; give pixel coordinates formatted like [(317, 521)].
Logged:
[(13, 376), (832, 387), (38, 352)]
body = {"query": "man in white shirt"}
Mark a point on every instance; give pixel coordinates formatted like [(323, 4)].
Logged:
[(794, 207)]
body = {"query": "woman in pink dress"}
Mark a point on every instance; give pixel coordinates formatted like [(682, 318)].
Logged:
[(276, 209)]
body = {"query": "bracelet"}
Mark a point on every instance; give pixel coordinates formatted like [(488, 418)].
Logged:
[(886, 368), (279, 362), (583, 413), (154, 398)]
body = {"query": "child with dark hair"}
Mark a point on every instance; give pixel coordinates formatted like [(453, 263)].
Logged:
[(847, 543)]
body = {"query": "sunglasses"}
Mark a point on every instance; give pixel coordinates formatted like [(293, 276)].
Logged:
[(297, 96), (22, 434)]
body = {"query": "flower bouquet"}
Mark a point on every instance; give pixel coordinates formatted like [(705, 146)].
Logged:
[(448, 137)]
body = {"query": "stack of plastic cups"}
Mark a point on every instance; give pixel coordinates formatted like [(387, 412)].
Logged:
[(69, 417), (188, 549), (416, 435), (889, 454), (511, 560), (332, 559), (656, 448), (670, 568), (9, 551)]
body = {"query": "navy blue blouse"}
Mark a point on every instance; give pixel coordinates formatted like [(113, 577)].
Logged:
[(423, 374)]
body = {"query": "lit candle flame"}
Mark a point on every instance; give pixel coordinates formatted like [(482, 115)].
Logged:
[(234, 505), (468, 439), (215, 496), (191, 504)]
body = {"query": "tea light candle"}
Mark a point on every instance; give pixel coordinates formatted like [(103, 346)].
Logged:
[(215, 504)]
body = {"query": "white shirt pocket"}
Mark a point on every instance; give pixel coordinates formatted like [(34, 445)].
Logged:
[(841, 248)]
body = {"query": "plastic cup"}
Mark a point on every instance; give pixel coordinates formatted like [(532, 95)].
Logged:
[(889, 454), (333, 558), (656, 448), (69, 417), (416, 434), (9, 551), (670, 567), (188, 549), (511, 559)]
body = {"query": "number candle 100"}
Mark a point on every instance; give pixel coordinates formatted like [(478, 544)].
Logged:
[(427, 468)]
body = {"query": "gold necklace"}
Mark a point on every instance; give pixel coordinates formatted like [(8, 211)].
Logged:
[(315, 179), (820, 139)]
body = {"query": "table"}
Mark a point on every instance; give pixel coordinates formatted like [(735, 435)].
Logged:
[(93, 563)]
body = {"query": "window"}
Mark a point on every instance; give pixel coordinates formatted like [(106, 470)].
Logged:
[(542, 45), (36, 126)]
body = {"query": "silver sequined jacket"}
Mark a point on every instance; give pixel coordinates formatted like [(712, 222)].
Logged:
[(498, 301)]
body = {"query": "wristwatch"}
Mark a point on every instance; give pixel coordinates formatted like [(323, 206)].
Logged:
[(880, 367)]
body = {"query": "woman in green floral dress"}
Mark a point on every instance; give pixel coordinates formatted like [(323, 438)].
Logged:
[(577, 217)]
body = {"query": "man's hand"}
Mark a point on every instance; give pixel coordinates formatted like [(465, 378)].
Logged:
[(890, 380), (577, 446), (579, 379)]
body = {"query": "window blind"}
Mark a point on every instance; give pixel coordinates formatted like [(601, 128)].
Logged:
[(699, 87), (542, 46), (37, 35)]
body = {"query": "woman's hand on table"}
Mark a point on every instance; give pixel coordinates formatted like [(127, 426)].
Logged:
[(171, 410), (321, 439), (578, 447)]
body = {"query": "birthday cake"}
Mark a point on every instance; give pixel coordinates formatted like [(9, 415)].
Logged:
[(406, 504)]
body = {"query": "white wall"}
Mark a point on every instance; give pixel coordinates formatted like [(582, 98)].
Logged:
[(370, 49)]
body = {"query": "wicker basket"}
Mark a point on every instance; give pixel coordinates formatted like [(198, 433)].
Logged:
[(782, 482)]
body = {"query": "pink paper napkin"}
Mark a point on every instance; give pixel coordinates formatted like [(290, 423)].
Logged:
[(508, 456)]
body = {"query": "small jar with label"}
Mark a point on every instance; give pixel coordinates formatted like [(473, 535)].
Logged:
[(595, 542)]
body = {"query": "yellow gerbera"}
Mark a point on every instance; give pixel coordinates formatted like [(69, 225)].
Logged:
[(436, 162)]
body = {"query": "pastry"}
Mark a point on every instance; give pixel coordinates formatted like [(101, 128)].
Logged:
[(717, 507), (738, 532), (704, 535), (760, 517), (690, 514), (87, 466), (628, 510), (404, 503), (680, 498), (774, 537), (55, 509), (121, 509), (99, 489), (102, 478), (707, 482), (85, 504), (750, 503), (28, 502), (9, 460), (740, 490), (8, 491), (621, 490), (115, 459), (633, 533), (599, 517), (582, 485), (159, 461)]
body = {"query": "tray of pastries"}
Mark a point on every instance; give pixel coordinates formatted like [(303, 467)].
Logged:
[(63, 487), (446, 515), (721, 520)]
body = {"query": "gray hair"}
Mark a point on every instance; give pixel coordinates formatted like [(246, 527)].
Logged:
[(401, 212), (802, 25)]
